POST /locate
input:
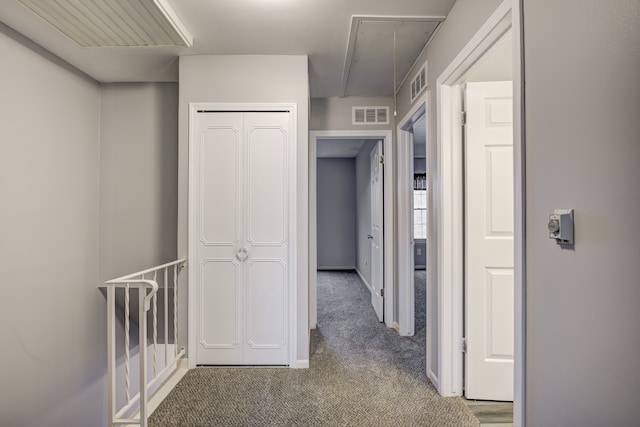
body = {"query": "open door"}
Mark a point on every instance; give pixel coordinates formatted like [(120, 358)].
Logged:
[(489, 216), (377, 234)]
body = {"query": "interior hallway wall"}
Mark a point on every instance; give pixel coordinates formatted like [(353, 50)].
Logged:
[(582, 60), (52, 314), (138, 176), (336, 202), (464, 20)]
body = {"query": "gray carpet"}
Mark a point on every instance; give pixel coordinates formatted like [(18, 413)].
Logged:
[(361, 374)]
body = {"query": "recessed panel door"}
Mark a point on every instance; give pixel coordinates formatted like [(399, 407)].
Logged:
[(242, 224), (376, 235), (489, 211)]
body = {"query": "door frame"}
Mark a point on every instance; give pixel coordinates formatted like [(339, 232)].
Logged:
[(449, 203), (194, 169), (406, 291), (388, 176)]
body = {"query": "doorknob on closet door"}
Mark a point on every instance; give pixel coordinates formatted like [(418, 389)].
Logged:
[(242, 254), (369, 236)]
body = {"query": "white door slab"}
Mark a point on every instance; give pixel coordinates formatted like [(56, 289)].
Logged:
[(241, 227), (489, 217), (377, 233)]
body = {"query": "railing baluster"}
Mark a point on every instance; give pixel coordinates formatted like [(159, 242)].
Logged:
[(111, 352), (126, 344), (142, 292), (147, 292), (175, 310), (166, 316), (155, 327)]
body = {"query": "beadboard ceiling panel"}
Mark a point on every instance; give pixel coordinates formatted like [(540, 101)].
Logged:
[(113, 23)]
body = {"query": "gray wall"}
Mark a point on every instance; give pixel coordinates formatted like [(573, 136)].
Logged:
[(363, 210), (582, 151), (52, 314), (335, 113), (249, 78), (336, 202), (464, 20), (138, 176)]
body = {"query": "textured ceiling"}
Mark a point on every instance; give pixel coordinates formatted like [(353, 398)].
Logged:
[(318, 28)]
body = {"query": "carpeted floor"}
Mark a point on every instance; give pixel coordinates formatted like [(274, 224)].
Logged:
[(361, 374)]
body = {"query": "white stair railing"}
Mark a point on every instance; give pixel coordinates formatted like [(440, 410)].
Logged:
[(135, 409)]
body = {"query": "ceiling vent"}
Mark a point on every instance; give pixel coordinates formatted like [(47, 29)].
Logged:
[(113, 23), (370, 115), (419, 83)]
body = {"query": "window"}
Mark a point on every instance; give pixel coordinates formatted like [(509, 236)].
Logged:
[(419, 206)]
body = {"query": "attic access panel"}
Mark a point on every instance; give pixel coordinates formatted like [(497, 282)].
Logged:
[(369, 62)]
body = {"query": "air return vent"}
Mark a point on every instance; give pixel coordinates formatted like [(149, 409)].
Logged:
[(113, 23), (370, 115), (419, 82)]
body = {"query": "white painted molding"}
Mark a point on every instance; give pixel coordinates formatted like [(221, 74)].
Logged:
[(364, 281), (519, 144), (336, 268), (389, 217), (301, 364), (433, 378), (293, 235), (406, 292), (449, 200)]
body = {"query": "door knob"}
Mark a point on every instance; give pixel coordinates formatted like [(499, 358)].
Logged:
[(242, 254), (369, 236)]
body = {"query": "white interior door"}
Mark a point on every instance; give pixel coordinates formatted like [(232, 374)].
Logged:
[(377, 236), (241, 227), (489, 214)]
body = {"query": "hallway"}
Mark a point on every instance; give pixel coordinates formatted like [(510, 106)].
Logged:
[(360, 374)]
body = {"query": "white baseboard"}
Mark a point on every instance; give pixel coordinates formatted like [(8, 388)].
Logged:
[(341, 267), (396, 327), (168, 385), (301, 364), (364, 280), (433, 378)]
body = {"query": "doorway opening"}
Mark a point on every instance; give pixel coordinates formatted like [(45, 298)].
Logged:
[(413, 218), (348, 237)]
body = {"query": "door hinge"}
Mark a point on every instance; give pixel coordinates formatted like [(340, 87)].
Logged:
[(382, 159), (463, 118), (464, 345), (382, 292)]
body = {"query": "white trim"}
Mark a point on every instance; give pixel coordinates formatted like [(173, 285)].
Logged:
[(433, 378), (175, 22), (169, 384), (293, 235), (405, 240), (450, 205), (301, 364), (364, 280), (519, 146), (389, 185)]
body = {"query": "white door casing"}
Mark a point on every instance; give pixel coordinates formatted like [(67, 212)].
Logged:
[(489, 218), (377, 234), (242, 228)]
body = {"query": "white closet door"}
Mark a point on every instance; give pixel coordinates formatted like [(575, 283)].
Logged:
[(241, 228)]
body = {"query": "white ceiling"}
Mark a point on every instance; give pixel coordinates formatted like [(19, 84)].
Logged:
[(318, 28)]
